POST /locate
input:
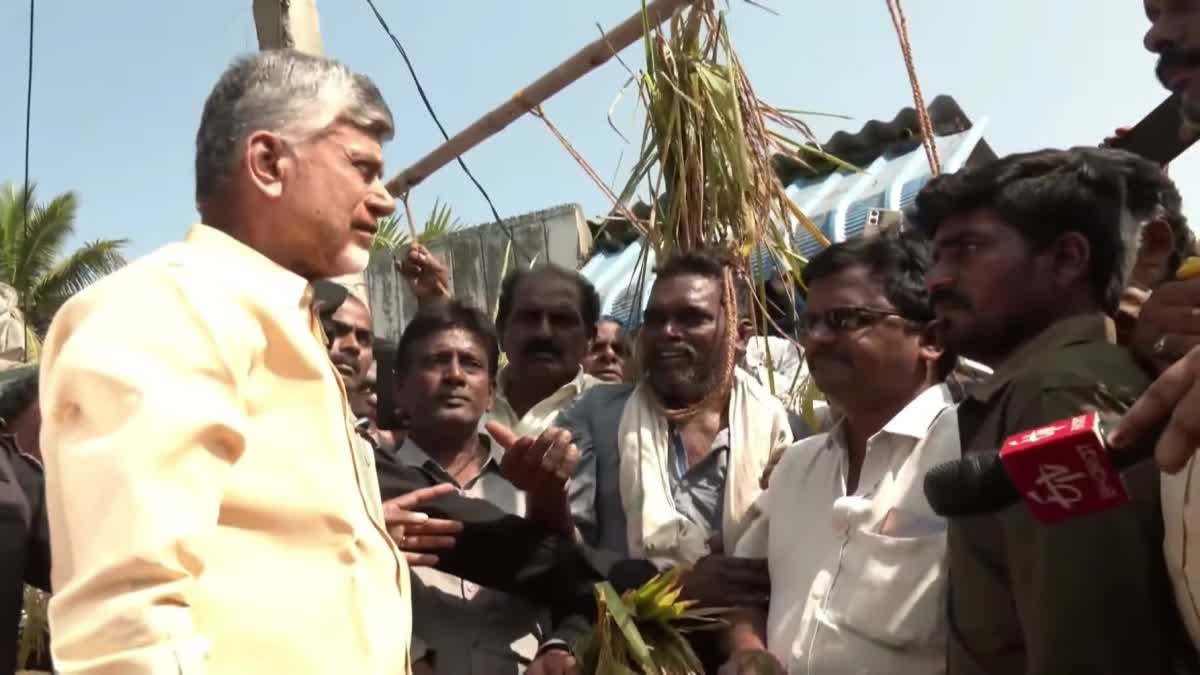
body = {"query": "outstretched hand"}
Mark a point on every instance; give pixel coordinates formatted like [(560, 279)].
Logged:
[(541, 467), (416, 534), (536, 464)]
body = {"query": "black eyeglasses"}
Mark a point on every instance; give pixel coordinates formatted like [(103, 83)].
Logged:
[(843, 319)]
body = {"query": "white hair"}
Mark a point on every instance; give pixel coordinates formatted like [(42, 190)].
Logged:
[(283, 91)]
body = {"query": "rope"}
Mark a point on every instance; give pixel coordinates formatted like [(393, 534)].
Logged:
[(442, 129), (723, 381), (583, 163), (900, 23)]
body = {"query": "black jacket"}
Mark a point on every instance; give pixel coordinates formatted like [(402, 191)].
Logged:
[(515, 555), (24, 541)]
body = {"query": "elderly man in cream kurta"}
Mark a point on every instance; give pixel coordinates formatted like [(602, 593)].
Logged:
[(211, 509)]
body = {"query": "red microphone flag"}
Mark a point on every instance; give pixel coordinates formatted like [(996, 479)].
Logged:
[(1063, 470)]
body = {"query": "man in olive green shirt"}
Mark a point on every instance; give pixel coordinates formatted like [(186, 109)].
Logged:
[(1031, 254)]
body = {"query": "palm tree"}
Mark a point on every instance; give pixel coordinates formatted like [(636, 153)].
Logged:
[(393, 236), (32, 257)]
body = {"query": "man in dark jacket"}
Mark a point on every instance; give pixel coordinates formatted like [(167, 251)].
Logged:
[(24, 531)]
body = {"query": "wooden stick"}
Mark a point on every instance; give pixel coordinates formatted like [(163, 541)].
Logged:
[(581, 63)]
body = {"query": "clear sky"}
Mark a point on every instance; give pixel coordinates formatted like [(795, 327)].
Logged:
[(118, 87)]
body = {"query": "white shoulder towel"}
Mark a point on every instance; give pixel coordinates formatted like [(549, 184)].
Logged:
[(758, 427)]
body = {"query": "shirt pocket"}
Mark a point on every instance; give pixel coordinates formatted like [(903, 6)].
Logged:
[(892, 590)]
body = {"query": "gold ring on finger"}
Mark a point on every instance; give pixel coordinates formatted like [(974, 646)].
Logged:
[(1160, 346)]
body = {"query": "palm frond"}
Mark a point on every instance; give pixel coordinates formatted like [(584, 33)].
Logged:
[(40, 244), (31, 253), (16, 202), (394, 236), (67, 277)]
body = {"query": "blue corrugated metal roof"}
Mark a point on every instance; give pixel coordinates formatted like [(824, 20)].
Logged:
[(837, 203)]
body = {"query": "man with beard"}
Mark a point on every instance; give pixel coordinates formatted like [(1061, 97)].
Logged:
[(546, 318), (872, 347), (670, 467), (1031, 253), (610, 349), (1174, 35)]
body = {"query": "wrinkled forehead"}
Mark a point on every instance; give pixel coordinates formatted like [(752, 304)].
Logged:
[(684, 291), (546, 292), (353, 313), (608, 330), (453, 341)]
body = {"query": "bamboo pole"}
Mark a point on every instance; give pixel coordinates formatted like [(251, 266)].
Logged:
[(575, 67)]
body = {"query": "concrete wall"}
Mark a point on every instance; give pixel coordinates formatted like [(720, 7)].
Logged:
[(476, 258)]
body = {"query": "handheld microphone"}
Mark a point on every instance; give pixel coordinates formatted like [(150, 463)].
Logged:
[(1063, 470)]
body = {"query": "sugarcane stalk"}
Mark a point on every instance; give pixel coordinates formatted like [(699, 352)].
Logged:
[(539, 91)]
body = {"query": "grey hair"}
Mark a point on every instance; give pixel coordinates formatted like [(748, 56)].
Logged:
[(287, 92)]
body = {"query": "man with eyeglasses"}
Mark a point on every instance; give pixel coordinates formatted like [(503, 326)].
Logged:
[(856, 556), (1031, 254)]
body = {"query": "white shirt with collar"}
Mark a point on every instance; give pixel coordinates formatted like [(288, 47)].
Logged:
[(858, 581), (468, 628), (541, 416)]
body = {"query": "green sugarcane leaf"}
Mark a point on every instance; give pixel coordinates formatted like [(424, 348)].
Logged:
[(624, 621)]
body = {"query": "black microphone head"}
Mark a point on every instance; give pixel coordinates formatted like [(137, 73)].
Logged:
[(973, 485)]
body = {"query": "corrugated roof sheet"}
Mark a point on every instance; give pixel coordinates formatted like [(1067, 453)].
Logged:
[(838, 203)]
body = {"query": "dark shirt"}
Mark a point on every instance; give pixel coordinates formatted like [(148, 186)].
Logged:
[(1088, 596), (513, 554), (24, 541)]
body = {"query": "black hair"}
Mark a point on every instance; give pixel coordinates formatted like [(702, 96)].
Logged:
[(1043, 195), (444, 316), (710, 264), (589, 299), (18, 390), (1150, 193), (900, 260), (328, 296)]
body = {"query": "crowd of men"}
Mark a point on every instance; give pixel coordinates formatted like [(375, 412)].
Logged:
[(248, 486)]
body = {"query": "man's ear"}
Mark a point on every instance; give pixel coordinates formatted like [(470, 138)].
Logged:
[(932, 345), (267, 162), (1071, 256), (1156, 245), (745, 331)]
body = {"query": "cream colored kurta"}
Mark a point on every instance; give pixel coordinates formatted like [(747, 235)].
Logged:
[(1181, 543), (210, 507), (541, 416)]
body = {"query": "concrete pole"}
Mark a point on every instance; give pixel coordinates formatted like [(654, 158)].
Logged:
[(288, 24)]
